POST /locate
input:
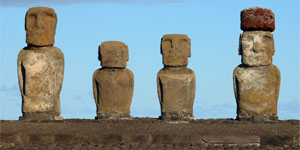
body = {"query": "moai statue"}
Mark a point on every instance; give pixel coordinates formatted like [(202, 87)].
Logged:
[(257, 81), (113, 83), (40, 67), (176, 83)]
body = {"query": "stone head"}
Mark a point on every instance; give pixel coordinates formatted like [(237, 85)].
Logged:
[(113, 54), (256, 48), (40, 25), (175, 48)]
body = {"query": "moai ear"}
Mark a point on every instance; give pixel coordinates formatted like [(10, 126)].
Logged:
[(240, 44), (99, 53), (189, 47), (126, 53), (273, 46), (161, 40)]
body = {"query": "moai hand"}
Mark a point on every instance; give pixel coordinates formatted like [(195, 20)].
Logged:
[(40, 67), (176, 83), (256, 81), (113, 84)]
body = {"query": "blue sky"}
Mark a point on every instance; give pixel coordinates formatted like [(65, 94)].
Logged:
[(212, 25)]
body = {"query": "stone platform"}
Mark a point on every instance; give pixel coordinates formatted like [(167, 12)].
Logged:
[(149, 133)]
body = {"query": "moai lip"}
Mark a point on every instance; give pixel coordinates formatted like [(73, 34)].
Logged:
[(255, 18), (256, 81), (113, 84), (40, 67), (176, 83), (113, 54), (40, 26)]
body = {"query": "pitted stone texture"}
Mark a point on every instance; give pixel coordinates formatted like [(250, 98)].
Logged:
[(40, 73), (113, 54), (256, 89), (175, 48), (40, 26), (176, 91), (177, 116), (257, 19), (256, 81), (261, 118), (113, 91), (256, 48)]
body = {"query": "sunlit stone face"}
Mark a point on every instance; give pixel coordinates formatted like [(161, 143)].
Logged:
[(256, 48), (175, 49), (40, 26), (113, 54)]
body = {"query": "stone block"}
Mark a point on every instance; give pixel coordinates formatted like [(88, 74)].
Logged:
[(113, 91), (40, 25), (40, 73), (176, 91), (175, 48), (113, 54), (257, 89), (256, 18), (231, 139), (256, 48)]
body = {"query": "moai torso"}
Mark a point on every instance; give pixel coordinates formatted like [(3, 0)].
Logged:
[(175, 82), (257, 89), (256, 80), (113, 84), (40, 67)]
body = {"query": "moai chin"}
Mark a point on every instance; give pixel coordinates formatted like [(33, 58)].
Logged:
[(176, 83), (40, 67), (113, 83), (257, 81)]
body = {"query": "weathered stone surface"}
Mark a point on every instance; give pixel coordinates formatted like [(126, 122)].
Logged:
[(175, 48), (113, 84), (256, 48), (176, 91), (231, 139), (256, 81), (40, 73), (257, 19), (176, 84), (256, 90), (40, 26), (113, 54)]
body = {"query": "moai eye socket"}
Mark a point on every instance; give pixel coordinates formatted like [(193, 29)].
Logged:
[(167, 44), (183, 43), (248, 38), (267, 38)]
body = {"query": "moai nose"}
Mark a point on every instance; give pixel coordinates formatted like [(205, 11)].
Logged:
[(40, 21), (175, 44), (256, 47)]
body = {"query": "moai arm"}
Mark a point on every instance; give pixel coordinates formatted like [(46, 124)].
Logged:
[(278, 82), (159, 88), (60, 71), (132, 83), (234, 83), (20, 74), (193, 86), (95, 90)]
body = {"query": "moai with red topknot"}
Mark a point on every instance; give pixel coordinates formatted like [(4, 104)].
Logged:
[(113, 83), (176, 83), (257, 81), (40, 67)]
